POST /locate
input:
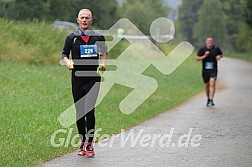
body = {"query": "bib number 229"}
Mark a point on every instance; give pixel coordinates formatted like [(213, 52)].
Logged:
[(88, 50)]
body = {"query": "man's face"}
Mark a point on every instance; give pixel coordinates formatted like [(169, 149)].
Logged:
[(209, 42), (84, 20)]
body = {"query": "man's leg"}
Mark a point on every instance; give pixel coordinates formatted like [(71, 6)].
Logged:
[(212, 88), (90, 122), (79, 103), (80, 122), (90, 100), (206, 79), (85, 94), (207, 89)]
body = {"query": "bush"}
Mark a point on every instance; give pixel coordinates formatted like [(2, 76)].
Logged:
[(32, 43), (244, 39)]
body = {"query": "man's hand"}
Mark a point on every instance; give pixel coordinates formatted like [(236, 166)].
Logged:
[(101, 69), (69, 63), (218, 57), (207, 53), (199, 58)]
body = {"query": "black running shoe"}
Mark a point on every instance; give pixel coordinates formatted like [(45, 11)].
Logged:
[(210, 103)]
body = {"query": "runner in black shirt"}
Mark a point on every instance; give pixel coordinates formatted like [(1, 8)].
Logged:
[(88, 46), (209, 55)]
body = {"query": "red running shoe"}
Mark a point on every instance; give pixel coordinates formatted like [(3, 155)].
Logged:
[(89, 150), (82, 151)]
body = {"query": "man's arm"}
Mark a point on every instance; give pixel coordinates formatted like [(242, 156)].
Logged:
[(219, 56), (66, 51), (69, 63), (103, 58), (200, 58), (102, 65), (103, 53)]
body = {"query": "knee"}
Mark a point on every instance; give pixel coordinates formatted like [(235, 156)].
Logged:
[(91, 114), (212, 83), (207, 85)]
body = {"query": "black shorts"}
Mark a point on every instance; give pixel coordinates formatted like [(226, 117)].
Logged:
[(207, 74)]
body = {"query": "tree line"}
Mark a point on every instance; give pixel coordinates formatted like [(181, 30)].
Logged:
[(228, 21), (50, 10), (105, 13)]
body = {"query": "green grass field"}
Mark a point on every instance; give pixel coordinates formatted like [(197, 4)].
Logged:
[(243, 56), (32, 97)]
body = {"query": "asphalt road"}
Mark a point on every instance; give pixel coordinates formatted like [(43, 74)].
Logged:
[(220, 136)]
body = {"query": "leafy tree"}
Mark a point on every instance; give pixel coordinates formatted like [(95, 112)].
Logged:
[(188, 17), (248, 12), (143, 13), (104, 12), (243, 40), (62, 10), (25, 9), (234, 19), (233, 11), (211, 21)]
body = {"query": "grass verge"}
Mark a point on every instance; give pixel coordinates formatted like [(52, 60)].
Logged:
[(243, 56), (30, 42), (32, 97)]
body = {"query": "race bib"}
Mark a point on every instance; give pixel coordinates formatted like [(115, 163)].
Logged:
[(88, 51), (209, 65)]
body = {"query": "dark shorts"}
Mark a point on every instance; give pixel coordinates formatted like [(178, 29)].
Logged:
[(207, 74)]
